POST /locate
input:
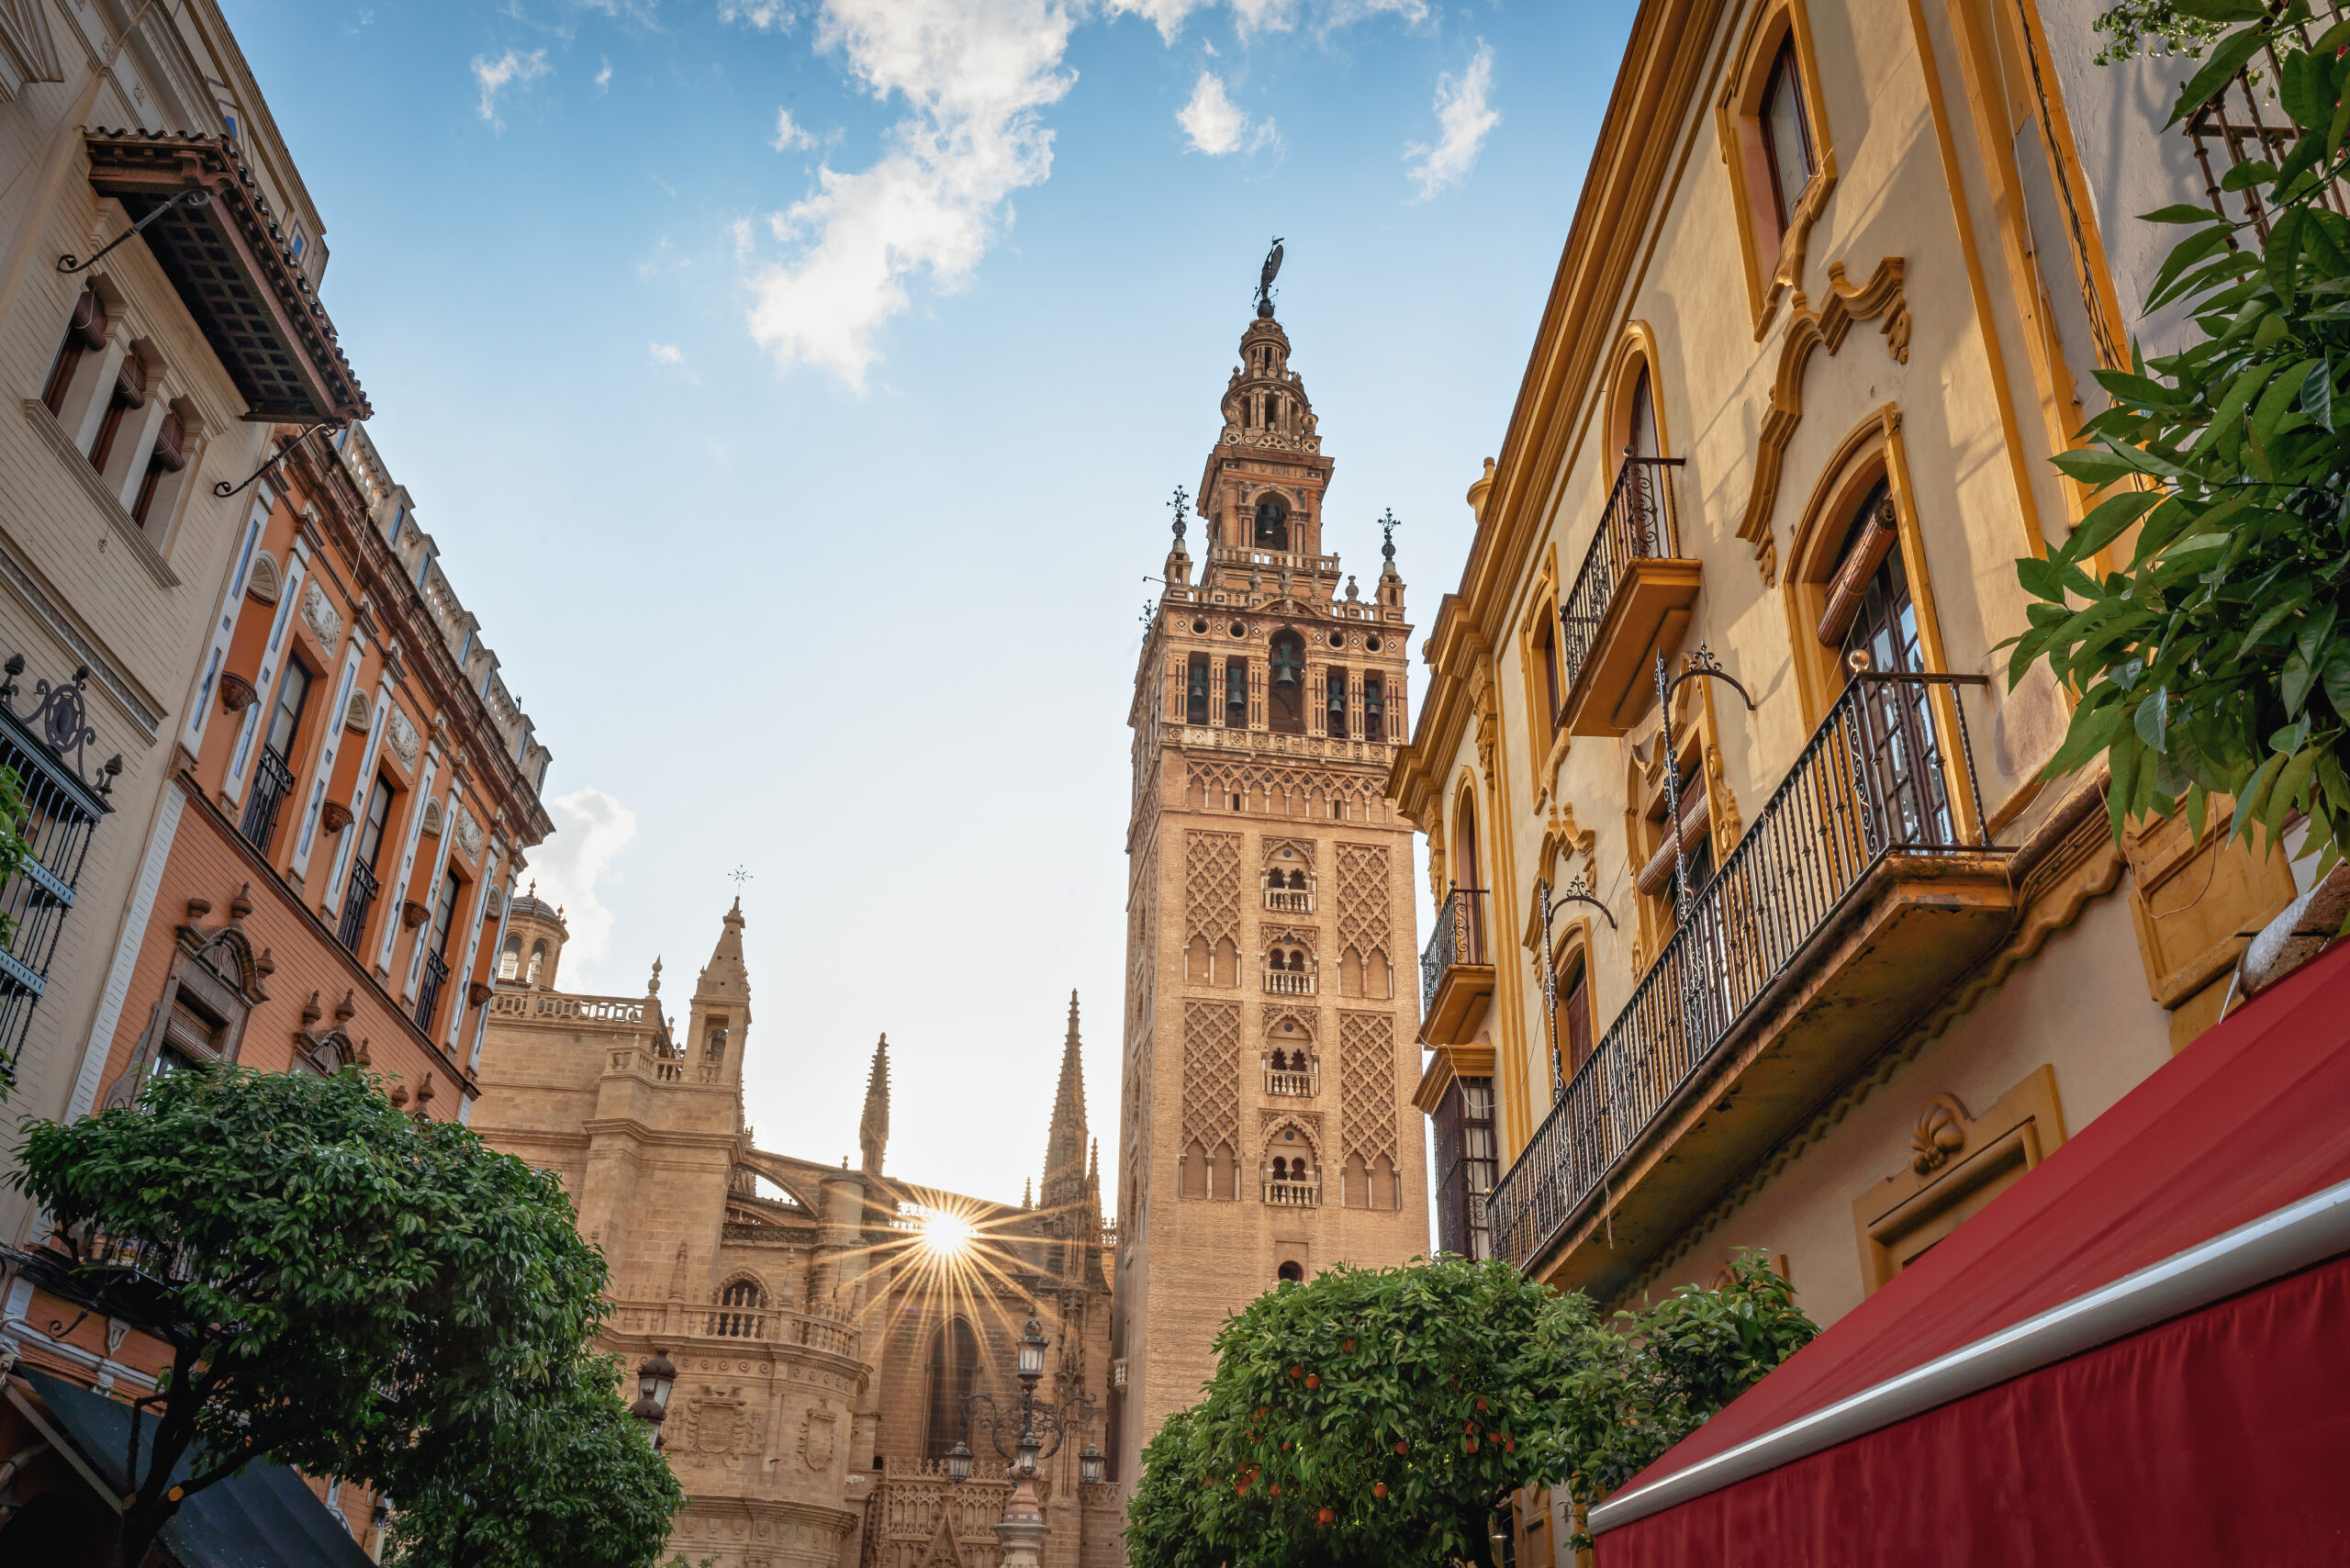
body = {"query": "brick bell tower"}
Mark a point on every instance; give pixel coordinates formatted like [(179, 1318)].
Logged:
[(1266, 1126)]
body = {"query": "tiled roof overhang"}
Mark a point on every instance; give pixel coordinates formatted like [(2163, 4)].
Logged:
[(228, 261)]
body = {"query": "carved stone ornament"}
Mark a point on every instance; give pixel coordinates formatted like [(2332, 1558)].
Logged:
[(319, 614), (400, 732), (468, 833), (720, 1424), (819, 1431), (1941, 1133), (334, 816), (237, 693)]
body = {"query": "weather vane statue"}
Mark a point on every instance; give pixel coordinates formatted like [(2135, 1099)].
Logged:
[(1180, 503), (1388, 524), (1272, 270)]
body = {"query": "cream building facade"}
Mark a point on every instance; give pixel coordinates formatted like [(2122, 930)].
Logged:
[(1265, 1122), (1804, 957), (825, 1321), (132, 392)]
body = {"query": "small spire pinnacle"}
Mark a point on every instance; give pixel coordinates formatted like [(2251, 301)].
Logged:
[(1065, 1142), (873, 1131), (652, 986), (1028, 1193)]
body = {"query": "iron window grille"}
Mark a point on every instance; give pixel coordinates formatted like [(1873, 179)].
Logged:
[(271, 781), (357, 898), (61, 811)]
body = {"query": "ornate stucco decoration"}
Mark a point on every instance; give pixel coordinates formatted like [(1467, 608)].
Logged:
[(819, 1429), (321, 615), (400, 731), (468, 832), (1879, 299)]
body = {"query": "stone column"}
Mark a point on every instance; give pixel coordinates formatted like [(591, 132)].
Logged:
[(1022, 1530)]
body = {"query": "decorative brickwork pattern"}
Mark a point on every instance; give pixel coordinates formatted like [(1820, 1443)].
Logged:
[(1289, 791), (1366, 1083), (1212, 1073), (1211, 886), (1363, 894)]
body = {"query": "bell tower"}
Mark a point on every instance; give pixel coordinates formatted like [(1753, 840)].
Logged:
[(1270, 1047)]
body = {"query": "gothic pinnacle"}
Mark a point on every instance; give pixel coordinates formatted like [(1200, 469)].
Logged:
[(873, 1129)]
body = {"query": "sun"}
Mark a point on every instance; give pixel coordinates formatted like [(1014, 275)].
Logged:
[(947, 1234)]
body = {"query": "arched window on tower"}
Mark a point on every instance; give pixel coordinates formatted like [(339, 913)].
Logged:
[(954, 1373), (538, 963), (1236, 694), (509, 962), (1374, 706), (1272, 523), (1288, 662), (1336, 679), (1195, 700)]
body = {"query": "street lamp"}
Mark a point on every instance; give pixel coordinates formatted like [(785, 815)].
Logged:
[(1022, 1530), (655, 1379)]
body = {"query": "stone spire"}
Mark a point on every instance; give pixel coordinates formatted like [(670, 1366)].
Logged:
[(720, 1019), (873, 1131), (1065, 1144)]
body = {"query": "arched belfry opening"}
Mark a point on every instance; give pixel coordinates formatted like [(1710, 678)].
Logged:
[(1272, 523), (1286, 661)]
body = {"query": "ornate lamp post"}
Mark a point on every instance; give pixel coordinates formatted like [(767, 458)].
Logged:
[(1037, 1430), (655, 1379)]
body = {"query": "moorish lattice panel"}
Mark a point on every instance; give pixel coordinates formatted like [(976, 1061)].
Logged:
[(1363, 897), (1212, 1073), (1367, 1084), (1211, 886)]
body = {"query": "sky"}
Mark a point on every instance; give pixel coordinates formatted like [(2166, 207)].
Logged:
[(794, 389)]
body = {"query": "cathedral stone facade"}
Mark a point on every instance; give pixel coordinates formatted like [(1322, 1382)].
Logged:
[(1270, 1050), (825, 1322)]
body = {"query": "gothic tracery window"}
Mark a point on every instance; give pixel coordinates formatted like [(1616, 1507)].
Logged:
[(954, 1373)]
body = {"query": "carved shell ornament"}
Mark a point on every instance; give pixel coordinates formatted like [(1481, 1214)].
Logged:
[(1941, 1133)]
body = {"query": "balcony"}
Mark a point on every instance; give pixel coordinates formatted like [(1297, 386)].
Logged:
[(1455, 970), (271, 781), (428, 997), (1290, 901), (1864, 888), (1632, 597), (1289, 983), (1290, 1083), (1293, 1195), (358, 895)]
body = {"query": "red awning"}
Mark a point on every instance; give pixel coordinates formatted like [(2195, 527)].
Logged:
[(2139, 1352)]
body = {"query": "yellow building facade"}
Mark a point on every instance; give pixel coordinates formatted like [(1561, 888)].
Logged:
[(1833, 964)]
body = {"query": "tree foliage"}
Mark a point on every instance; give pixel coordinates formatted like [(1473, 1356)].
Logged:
[(2215, 661), (1382, 1415), (343, 1287)]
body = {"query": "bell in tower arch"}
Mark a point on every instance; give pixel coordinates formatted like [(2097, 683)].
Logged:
[(1272, 523)]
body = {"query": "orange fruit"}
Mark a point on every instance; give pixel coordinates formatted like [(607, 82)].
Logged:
[(1326, 1515), (1313, 1380), (1297, 1372), (1379, 1490), (1403, 1447)]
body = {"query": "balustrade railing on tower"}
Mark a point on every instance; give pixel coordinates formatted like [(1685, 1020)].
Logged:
[(1878, 776)]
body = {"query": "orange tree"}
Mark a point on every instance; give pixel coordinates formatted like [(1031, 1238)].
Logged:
[(1385, 1415)]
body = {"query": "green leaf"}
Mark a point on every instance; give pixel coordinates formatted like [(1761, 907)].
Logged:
[(2225, 62), (2154, 719), (2281, 256), (2181, 212), (2094, 466), (2106, 521), (2286, 790), (2337, 683), (2280, 394), (2254, 797), (2221, 11), (2305, 87), (2317, 392)]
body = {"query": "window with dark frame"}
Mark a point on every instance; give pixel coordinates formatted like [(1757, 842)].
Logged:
[(86, 333), (60, 814), (360, 892), (273, 769), (1467, 1166), (1786, 132)]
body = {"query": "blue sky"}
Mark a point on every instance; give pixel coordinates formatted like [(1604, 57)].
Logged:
[(794, 390)]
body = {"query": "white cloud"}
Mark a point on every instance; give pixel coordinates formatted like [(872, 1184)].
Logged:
[(760, 15), (592, 829), (738, 234), (1465, 120), (673, 357), (1167, 15), (604, 77), (789, 135), (1216, 124), (974, 73), (511, 69)]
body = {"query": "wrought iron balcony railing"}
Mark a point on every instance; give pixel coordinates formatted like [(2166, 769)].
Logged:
[(1459, 939), (428, 997), (358, 897), (272, 781), (1640, 525), (1877, 778)]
